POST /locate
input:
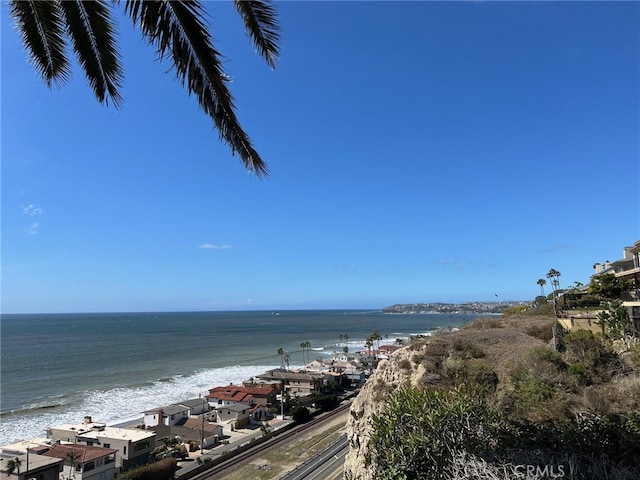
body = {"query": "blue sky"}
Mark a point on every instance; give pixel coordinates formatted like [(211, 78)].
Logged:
[(418, 152)]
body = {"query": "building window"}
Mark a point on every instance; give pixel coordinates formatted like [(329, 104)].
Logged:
[(124, 450), (107, 445), (89, 466), (140, 446)]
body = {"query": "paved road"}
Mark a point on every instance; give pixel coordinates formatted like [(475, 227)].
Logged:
[(326, 465)]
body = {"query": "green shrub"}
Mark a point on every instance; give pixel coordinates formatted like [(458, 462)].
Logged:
[(542, 331), (161, 470), (579, 371), (300, 413), (470, 376), (468, 349), (419, 431), (594, 352), (635, 353)]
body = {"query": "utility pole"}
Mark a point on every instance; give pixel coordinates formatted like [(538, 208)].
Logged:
[(202, 436)]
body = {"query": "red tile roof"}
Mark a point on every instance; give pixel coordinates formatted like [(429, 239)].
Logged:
[(234, 393), (83, 453)]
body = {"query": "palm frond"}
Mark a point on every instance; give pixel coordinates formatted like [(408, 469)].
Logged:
[(261, 23), (41, 28), (178, 29), (91, 30)]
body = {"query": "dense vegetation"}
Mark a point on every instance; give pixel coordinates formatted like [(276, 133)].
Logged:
[(493, 404), (161, 470)]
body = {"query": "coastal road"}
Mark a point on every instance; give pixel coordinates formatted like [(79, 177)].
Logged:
[(326, 465)]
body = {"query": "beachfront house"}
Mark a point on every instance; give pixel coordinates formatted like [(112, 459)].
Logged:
[(257, 395), (20, 465), (133, 444), (169, 415), (271, 386), (229, 395), (234, 416), (200, 430), (82, 462), (196, 406), (297, 382)]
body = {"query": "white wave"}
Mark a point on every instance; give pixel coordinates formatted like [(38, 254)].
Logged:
[(125, 404)]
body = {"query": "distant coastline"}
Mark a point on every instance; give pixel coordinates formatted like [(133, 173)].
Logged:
[(473, 308)]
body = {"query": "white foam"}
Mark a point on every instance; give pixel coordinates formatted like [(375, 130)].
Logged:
[(125, 404)]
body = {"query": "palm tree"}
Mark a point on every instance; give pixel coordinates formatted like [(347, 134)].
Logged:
[(176, 29), (281, 353), (71, 456), (553, 275), (542, 282), (307, 345), (287, 358), (13, 465), (303, 346)]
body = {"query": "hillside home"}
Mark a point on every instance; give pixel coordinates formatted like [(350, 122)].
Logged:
[(133, 444), (25, 466), (627, 268), (82, 462), (169, 415)]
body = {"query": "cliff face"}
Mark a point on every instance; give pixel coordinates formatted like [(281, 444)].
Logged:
[(388, 376), (513, 356), (420, 364)]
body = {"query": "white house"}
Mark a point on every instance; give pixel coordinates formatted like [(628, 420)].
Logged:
[(169, 416), (133, 444), (196, 406)]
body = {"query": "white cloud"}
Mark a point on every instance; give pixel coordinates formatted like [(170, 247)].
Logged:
[(31, 210), (33, 228), (210, 246)]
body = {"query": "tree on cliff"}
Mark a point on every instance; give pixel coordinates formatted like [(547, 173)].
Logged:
[(177, 29), (542, 282)]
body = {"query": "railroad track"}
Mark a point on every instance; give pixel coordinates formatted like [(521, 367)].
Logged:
[(233, 460)]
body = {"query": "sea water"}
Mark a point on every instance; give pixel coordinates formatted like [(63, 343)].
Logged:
[(58, 368)]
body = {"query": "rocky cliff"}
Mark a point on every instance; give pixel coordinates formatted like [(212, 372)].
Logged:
[(499, 344)]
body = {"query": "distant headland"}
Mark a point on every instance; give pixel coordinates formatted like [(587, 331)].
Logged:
[(451, 308)]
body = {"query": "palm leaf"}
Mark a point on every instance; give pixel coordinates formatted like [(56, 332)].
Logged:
[(178, 29), (42, 30), (260, 22), (91, 30)]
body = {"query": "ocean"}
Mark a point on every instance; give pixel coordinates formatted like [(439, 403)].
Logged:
[(59, 368)]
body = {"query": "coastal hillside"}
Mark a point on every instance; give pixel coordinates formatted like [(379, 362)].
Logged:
[(495, 396), (476, 308)]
